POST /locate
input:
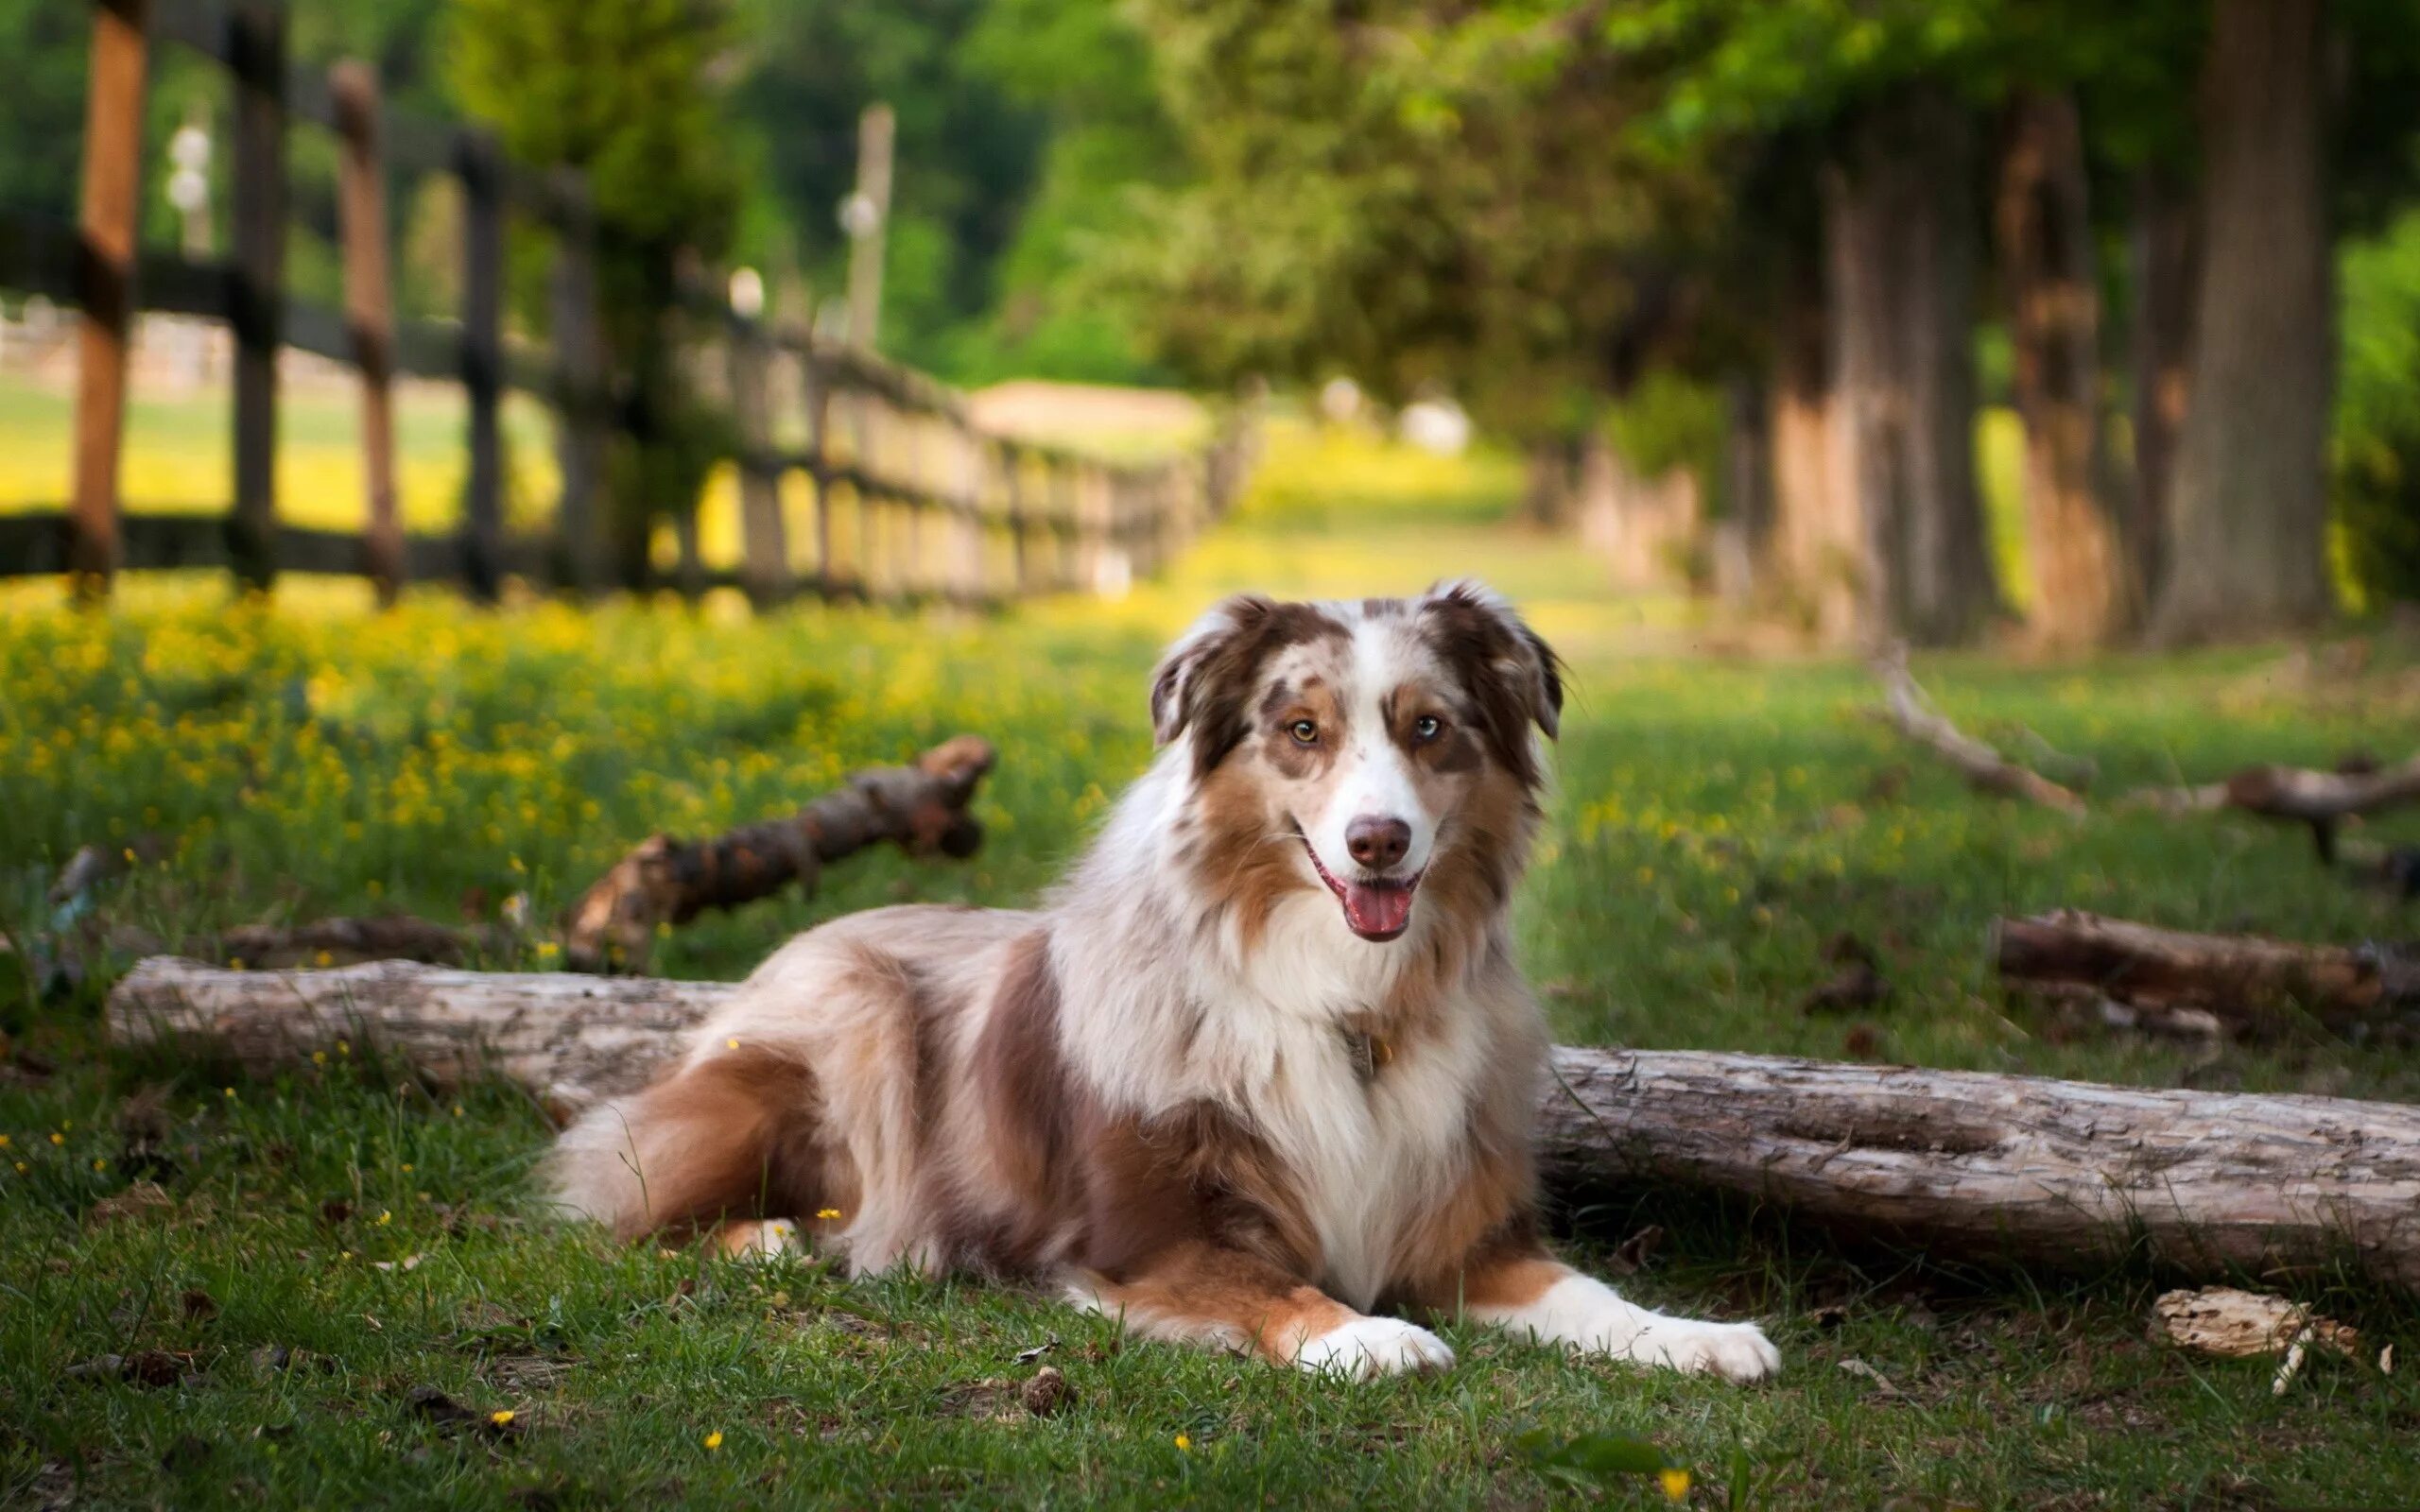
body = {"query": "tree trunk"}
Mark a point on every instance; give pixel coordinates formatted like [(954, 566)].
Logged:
[(2016, 1167), (1747, 490), (1548, 482), (2164, 266), (2249, 509), (2045, 232), (1901, 225), (1817, 554)]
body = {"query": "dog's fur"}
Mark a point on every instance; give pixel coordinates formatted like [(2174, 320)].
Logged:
[(1251, 1073)]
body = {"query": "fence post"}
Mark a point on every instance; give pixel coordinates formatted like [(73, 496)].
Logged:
[(256, 294), (482, 177), (765, 566), (816, 388), (583, 387), (369, 311), (1012, 491), (105, 279)]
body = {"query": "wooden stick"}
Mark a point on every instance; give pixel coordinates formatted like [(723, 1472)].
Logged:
[(2018, 1168), (370, 310), (921, 808), (105, 279), (2247, 983), (1914, 716)]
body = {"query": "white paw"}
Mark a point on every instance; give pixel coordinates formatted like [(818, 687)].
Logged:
[(759, 1240), (1735, 1351), (1368, 1348)]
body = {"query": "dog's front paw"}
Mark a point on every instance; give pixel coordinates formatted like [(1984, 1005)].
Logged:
[(1368, 1348), (1736, 1352)]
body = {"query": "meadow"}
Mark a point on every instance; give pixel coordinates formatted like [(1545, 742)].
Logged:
[(340, 1242)]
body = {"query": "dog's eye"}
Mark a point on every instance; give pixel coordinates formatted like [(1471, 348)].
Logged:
[(1304, 733), (1428, 727)]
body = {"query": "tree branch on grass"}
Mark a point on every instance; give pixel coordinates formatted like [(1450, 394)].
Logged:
[(2245, 984), (1912, 714), (667, 881), (2020, 1167)]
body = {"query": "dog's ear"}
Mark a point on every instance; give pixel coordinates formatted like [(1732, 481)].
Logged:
[(1507, 666), (1191, 668)]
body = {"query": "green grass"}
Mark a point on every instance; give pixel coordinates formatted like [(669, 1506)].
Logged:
[(1715, 821)]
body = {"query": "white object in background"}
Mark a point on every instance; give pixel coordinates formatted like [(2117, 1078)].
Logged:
[(1341, 401), (747, 293), (1437, 426)]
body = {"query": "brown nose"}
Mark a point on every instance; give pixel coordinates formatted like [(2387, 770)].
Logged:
[(1377, 842)]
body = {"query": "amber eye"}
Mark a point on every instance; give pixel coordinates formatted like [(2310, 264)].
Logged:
[(1304, 733), (1428, 728)]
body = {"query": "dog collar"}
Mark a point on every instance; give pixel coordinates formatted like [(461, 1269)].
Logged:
[(1368, 1054)]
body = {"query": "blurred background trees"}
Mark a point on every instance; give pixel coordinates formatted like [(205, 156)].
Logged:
[(1954, 314)]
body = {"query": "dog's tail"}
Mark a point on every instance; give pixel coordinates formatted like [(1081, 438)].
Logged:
[(734, 1136)]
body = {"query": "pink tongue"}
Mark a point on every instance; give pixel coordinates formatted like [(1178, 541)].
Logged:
[(1376, 910)]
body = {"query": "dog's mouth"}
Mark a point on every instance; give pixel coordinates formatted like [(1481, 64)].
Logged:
[(1376, 908)]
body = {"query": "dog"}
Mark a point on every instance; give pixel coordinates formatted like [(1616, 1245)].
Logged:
[(1260, 1075)]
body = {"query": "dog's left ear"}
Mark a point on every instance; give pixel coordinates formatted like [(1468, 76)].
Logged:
[(1190, 667), (1480, 631)]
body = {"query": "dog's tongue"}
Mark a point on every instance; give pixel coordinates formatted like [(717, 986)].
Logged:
[(1376, 910)]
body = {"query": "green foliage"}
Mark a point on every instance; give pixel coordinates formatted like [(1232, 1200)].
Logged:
[(966, 153), (42, 112), (1410, 193), (619, 89), (2376, 444), (624, 91)]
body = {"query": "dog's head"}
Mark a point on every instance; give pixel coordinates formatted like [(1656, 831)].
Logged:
[(1366, 748)]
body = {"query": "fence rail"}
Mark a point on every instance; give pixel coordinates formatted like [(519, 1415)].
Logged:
[(885, 447)]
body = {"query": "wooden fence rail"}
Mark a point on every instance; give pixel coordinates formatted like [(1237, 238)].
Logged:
[(911, 501)]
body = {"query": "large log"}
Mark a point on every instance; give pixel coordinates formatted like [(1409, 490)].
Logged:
[(2020, 1167)]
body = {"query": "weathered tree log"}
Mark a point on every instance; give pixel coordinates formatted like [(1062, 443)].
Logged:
[(569, 1039), (1914, 715), (667, 881), (2248, 983), (2021, 1167)]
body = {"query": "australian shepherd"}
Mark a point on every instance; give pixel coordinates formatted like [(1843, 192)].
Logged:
[(1259, 1076)]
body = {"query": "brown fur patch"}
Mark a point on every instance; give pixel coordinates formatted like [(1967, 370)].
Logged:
[(1248, 857), (1194, 1173), (1028, 1097), (1194, 1288), (1208, 689), (1513, 677), (735, 1135)]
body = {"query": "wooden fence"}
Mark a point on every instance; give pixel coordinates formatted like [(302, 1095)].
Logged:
[(910, 500)]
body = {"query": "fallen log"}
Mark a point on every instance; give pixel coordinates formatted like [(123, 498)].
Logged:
[(2249, 984), (668, 881), (2020, 1167)]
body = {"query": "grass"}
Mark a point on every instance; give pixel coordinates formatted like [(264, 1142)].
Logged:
[(342, 1236)]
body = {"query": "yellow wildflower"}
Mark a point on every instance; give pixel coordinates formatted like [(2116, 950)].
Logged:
[(1675, 1482), (500, 1417), (714, 1441), (827, 1213), (1183, 1444)]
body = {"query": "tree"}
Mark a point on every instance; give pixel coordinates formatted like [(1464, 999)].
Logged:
[(621, 90), (2051, 290), (2249, 508)]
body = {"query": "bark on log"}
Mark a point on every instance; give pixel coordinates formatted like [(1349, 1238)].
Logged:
[(2248, 983), (2026, 1168), (2021, 1167), (666, 881)]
